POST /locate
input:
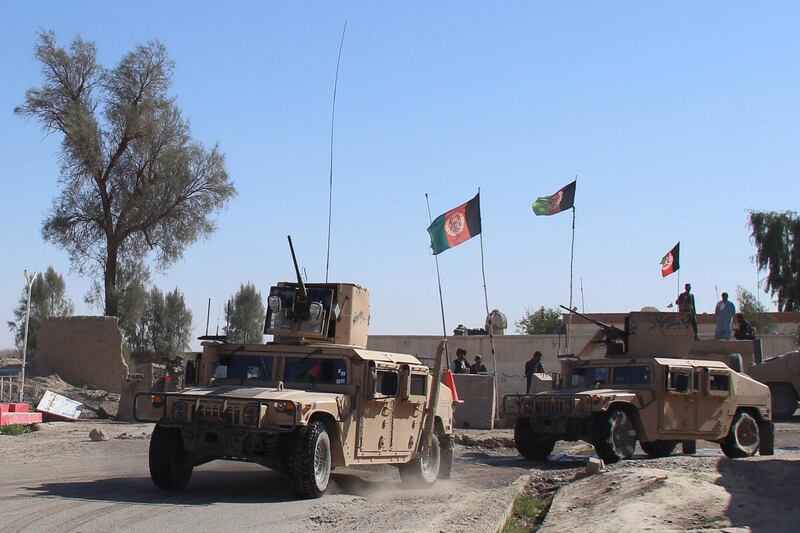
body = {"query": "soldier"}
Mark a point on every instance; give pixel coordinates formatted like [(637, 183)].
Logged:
[(477, 367), (533, 366), (460, 364), (745, 330), (685, 303)]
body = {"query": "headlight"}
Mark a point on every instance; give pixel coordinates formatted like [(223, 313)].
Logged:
[(274, 304), (251, 413), (284, 407), (180, 410), (315, 310)]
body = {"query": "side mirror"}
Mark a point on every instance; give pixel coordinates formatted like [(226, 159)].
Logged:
[(372, 382)]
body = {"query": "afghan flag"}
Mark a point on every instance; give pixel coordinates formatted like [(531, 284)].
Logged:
[(456, 226), (671, 262), (560, 201)]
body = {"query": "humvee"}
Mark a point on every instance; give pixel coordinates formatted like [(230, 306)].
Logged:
[(782, 375), (637, 393), (311, 400)]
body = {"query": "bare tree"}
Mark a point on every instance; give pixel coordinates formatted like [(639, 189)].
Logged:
[(133, 181)]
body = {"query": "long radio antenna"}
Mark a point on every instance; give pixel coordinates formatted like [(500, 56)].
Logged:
[(330, 174)]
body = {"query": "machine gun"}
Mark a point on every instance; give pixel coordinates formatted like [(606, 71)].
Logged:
[(614, 338)]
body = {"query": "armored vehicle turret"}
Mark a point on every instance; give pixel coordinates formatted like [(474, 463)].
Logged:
[(311, 400)]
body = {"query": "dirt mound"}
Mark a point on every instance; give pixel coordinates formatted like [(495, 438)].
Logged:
[(97, 403)]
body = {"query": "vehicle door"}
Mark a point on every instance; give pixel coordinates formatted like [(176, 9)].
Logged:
[(409, 407), (679, 401), (376, 417), (714, 407)]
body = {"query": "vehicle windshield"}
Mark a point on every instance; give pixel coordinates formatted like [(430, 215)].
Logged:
[(245, 368), (315, 371), (589, 376)]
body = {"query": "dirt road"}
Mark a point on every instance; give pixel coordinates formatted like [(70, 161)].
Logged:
[(58, 480)]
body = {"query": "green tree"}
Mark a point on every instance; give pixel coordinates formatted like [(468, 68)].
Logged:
[(133, 181), (164, 329), (48, 299), (777, 239), (754, 311), (539, 322), (246, 315), (133, 277)]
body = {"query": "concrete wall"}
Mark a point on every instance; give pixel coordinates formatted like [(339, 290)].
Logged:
[(478, 408), (83, 350)]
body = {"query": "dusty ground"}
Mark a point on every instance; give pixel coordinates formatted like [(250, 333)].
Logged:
[(56, 479)]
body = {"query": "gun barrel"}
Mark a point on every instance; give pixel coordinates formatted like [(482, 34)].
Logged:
[(590, 319), (302, 285)]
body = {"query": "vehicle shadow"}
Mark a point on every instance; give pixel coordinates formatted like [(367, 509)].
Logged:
[(205, 487), (763, 493)]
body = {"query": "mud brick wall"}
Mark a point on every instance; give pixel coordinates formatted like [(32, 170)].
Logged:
[(83, 350)]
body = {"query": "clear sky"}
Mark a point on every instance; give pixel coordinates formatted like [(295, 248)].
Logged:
[(676, 119)]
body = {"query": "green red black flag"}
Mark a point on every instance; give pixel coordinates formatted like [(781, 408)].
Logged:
[(671, 262), (456, 226), (556, 203)]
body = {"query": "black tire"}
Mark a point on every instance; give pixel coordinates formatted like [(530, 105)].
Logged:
[(743, 438), (309, 461), (766, 431), (784, 400), (659, 448), (423, 471), (170, 466), (531, 446), (446, 450), (689, 447), (614, 436)]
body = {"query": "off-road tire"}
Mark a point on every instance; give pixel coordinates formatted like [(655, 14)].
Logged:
[(170, 466), (309, 461), (658, 448), (446, 461), (614, 436), (743, 438), (689, 447), (423, 471), (766, 432), (531, 446), (784, 400)]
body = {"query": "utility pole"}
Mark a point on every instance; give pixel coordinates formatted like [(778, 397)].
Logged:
[(29, 280)]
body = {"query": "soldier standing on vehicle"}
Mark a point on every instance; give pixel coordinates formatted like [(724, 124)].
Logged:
[(725, 312), (460, 364), (685, 303), (745, 330), (533, 366)]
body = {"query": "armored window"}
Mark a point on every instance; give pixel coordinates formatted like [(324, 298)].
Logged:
[(590, 376), (418, 384), (719, 382), (248, 367), (632, 375), (316, 371), (679, 381), (387, 382)]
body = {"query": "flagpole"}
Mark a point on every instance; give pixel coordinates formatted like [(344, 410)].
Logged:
[(571, 260), (488, 323), (441, 299)]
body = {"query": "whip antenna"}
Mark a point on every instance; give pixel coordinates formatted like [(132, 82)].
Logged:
[(330, 174)]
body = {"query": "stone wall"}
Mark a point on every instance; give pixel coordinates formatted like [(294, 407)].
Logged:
[(83, 350)]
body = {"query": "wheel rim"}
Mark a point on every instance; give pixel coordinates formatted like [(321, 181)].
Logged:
[(429, 462), (322, 461), (747, 434), (623, 434)]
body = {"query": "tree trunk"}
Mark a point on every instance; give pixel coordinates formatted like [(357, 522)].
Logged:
[(110, 274)]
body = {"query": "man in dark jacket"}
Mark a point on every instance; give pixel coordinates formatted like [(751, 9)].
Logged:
[(533, 366)]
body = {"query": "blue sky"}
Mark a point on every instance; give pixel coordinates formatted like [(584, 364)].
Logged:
[(676, 119)]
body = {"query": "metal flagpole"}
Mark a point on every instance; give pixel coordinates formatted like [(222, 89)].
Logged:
[(441, 299), (571, 260), (488, 323)]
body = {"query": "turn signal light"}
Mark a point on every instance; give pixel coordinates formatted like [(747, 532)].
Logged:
[(158, 401)]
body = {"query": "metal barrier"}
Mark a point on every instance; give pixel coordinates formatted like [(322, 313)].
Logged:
[(9, 386)]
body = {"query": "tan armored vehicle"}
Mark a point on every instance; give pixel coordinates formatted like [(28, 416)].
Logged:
[(637, 393), (782, 375), (312, 400)]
